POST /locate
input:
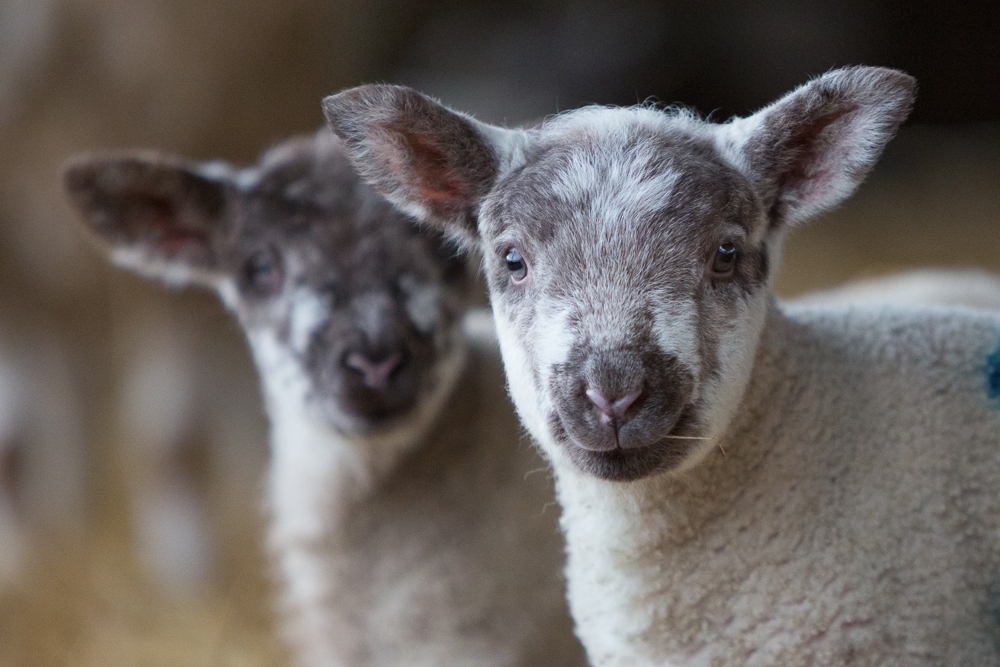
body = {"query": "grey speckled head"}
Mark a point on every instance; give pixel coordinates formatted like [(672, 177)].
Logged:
[(347, 304), (628, 251)]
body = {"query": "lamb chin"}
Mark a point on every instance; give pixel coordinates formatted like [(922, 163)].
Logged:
[(633, 463), (628, 465)]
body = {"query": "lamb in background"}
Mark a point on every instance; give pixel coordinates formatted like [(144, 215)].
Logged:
[(742, 482), (408, 525)]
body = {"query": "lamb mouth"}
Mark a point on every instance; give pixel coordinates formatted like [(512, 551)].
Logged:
[(356, 418), (628, 465)]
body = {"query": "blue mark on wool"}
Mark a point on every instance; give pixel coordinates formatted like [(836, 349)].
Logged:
[(993, 612), (993, 374)]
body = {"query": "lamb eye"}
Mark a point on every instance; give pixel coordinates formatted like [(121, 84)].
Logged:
[(516, 265), (724, 261), (262, 271)]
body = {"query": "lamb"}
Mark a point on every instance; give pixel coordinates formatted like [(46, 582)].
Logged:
[(409, 522), (743, 482)]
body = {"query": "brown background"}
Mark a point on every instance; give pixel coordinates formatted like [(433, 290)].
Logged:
[(226, 79)]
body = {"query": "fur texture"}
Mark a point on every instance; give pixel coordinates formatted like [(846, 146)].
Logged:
[(785, 485), (408, 526), (967, 287)]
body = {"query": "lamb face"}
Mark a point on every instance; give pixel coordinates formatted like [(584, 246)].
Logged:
[(353, 314), (615, 291), (627, 251)]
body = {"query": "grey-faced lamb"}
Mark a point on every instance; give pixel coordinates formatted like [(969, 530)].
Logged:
[(409, 520), (743, 482)]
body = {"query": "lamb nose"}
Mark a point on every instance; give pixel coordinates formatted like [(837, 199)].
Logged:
[(612, 409), (376, 374)]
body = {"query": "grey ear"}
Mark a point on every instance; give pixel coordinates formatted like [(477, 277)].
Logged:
[(159, 215), (808, 151), (431, 162)]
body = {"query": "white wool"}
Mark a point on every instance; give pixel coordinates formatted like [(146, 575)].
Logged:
[(410, 603), (853, 500), (307, 310), (411, 528), (840, 507)]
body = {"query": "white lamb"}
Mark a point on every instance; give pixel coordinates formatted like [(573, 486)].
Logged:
[(408, 522), (742, 482)]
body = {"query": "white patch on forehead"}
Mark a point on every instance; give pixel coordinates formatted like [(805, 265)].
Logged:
[(620, 188), (422, 303), (615, 184), (307, 311)]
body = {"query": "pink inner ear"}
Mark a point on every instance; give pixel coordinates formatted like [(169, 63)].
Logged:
[(165, 228), (436, 181), (816, 152), (172, 239)]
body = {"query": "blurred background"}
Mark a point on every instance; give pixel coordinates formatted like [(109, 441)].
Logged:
[(131, 436)]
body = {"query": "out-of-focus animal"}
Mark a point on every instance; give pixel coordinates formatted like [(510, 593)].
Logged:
[(406, 522)]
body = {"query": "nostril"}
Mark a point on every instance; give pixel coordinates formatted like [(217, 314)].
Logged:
[(613, 409), (376, 373), (602, 403), (626, 401)]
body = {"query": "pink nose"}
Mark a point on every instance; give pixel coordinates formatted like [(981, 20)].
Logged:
[(613, 410), (376, 374)]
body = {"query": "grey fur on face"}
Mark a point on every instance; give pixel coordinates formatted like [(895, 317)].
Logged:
[(617, 231), (320, 269), (628, 251)]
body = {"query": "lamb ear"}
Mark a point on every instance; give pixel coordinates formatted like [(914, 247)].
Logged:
[(431, 162), (808, 151), (160, 216)]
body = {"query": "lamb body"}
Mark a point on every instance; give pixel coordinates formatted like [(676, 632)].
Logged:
[(410, 523), (820, 532), (742, 482), (968, 287)]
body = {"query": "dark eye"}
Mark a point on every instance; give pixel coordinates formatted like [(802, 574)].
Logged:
[(516, 265), (724, 261), (262, 272)]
